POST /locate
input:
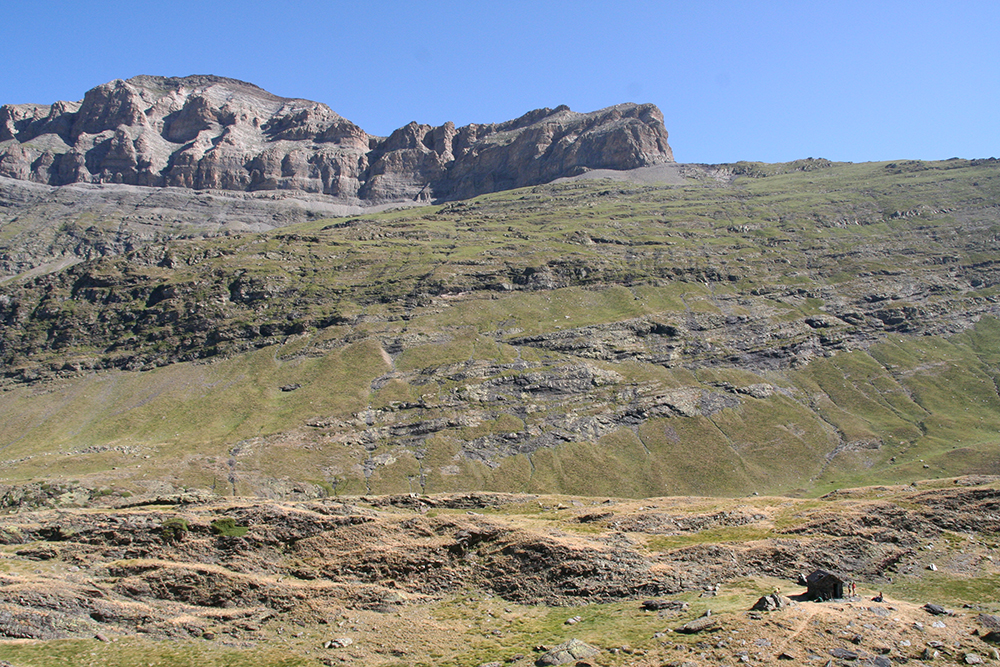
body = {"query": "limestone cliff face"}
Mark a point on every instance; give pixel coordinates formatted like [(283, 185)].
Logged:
[(207, 132)]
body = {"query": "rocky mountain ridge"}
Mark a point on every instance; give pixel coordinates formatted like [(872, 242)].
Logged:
[(214, 133)]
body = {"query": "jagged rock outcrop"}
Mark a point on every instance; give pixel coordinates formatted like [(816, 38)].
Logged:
[(207, 132)]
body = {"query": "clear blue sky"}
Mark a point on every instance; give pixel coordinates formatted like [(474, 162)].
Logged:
[(769, 81)]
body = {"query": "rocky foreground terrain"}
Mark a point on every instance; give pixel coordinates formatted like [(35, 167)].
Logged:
[(476, 579)]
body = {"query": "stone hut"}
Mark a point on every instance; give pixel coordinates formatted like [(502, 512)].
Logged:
[(823, 585)]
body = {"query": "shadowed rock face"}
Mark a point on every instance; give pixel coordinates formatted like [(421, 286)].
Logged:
[(208, 132)]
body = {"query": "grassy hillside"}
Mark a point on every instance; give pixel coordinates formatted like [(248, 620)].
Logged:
[(775, 328)]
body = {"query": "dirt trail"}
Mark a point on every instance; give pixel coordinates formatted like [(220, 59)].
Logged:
[(810, 610)]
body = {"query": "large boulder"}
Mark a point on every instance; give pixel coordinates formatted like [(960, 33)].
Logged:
[(703, 624), (569, 651), (772, 602), (992, 625)]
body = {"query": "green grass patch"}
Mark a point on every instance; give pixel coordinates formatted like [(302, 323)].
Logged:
[(227, 527), (722, 535), (944, 588), (132, 652), (603, 625)]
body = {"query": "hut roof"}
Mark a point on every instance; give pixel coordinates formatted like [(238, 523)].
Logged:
[(820, 576)]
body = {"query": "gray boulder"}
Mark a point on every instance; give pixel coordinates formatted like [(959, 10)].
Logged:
[(569, 651), (992, 625), (772, 602), (660, 605), (703, 624)]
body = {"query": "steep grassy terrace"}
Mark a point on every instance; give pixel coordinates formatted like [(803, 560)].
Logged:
[(898, 412), (841, 236), (788, 328)]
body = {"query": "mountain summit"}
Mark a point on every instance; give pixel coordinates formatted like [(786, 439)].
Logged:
[(208, 132)]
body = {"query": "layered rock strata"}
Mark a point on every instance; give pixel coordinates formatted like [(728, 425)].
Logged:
[(213, 133)]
